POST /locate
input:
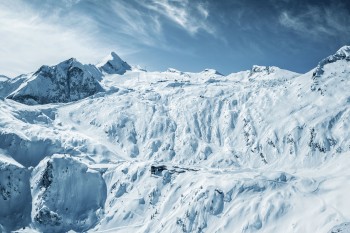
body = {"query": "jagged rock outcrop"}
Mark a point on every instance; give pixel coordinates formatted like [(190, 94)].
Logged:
[(262, 69), (68, 81)]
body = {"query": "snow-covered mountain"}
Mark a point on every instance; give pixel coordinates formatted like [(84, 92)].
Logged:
[(68, 81), (108, 148), (113, 64)]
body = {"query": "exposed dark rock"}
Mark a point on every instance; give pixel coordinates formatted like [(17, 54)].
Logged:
[(114, 65), (68, 81)]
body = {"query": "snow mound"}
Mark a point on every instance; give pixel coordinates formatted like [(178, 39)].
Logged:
[(68, 81), (113, 64), (15, 199), (67, 195)]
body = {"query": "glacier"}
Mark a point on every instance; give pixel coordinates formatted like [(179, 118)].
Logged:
[(115, 148)]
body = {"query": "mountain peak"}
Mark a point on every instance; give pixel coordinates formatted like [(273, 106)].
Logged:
[(69, 63), (115, 56), (342, 54), (113, 64), (67, 81)]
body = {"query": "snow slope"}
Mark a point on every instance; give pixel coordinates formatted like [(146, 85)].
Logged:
[(262, 150)]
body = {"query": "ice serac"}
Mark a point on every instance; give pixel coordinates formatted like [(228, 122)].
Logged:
[(68, 81), (113, 64), (67, 195)]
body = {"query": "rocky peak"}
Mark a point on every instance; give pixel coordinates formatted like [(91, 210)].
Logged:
[(67, 81), (113, 64), (342, 54)]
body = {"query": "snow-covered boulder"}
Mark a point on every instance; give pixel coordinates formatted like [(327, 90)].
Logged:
[(113, 64), (15, 199), (68, 81), (67, 195)]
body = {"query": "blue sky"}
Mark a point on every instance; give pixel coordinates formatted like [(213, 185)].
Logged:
[(188, 35)]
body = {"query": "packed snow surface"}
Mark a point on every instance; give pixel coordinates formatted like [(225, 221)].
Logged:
[(108, 148)]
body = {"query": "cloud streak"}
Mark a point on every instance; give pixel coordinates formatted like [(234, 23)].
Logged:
[(317, 21), (28, 40), (134, 23), (44, 32), (190, 16)]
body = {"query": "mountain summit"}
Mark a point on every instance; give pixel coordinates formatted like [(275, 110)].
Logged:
[(68, 81), (113, 64), (342, 54)]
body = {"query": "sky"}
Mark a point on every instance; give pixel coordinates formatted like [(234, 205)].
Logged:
[(188, 35)]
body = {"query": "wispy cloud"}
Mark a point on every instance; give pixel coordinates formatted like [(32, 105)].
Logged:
[(41, 31), (28, 40), (317, 21), (135, 23), (188, 15)]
